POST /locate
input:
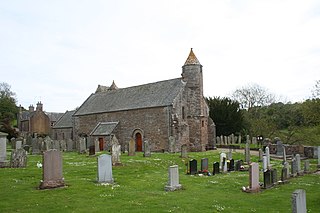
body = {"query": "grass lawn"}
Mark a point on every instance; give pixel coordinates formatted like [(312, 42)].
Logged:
[(139, 187)]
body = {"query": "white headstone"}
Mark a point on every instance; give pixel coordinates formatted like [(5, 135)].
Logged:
[(3, 148), (18, 145), (222, 155), (173, 183), (268, 157), (298, 201), (254, 185), (105, 169), (265, 163)]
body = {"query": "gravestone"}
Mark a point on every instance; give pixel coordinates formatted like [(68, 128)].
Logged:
[(29, 140), (298, 201), (56, 145), (238, 165), (248, 141), (70, 145), (268, 157), (318, 156), (26, 148), (116, 151), (239, 139), (264, 164), (284, 156), (184, 151), (247, 153), (172, 144), (260, 155), (267, 183), (216, 169), (173, 182), (273, 176), (97, 145), (48, 143), (231, 165), (92, 150), (224, 165), (218, 140), (105, 169), (222, 156), (285, 172), (18, 158), (254, 185), (193, 167), (18, 144), (279, 148), (13, 143), (306, 166), (204, 164), (294, 167), (3, 149), (298, 161), (147, 149), (254, 140), (132, 148), (82, 145), (229, 154), (52, 170), (35, 146), (63, 145)]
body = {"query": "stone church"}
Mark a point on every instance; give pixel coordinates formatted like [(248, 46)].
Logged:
[(168, 114)]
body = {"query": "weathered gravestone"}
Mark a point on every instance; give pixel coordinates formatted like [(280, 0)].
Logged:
[(105, 169), (56, 145), (3, 149), (116, 151), (35, 146), (193, 167), (264, 164), (238, 165), (96, 145), (294, 167), (204, 164), (70, 145), (92, 150), (147, 149), (18, 144), (224, 165), (247, 153), (267, 150), (172, 144), (216, 169), (132, 147), (82, 145), (298, 161), (222, 155), (254, 185), (173, 182), (231, 165), (279, 149), (63, 145), (184, 151), (52, 170), (260, 155), (306, 166), (298, 201), (18, 158)]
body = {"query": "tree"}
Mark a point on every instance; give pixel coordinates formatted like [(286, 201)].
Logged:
[(226, 115), (316, 90), (8, 109), (253, 95)]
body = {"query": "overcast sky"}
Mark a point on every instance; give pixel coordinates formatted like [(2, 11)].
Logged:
[(57, 52)]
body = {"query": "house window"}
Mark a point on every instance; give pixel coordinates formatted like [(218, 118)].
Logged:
[(202, 123)]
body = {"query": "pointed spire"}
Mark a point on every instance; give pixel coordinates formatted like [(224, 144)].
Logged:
[(192, 59), (113, 86)]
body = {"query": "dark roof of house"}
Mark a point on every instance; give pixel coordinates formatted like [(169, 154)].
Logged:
[(54, 116), (65, 120), (150, 95), (104, 128)]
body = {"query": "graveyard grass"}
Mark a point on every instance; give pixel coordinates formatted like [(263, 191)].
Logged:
[(139, 187)]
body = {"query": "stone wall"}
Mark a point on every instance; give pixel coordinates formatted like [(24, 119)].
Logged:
[(62, 134)]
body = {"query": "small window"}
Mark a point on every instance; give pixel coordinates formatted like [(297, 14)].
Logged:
[(202, 123), (183, 113)]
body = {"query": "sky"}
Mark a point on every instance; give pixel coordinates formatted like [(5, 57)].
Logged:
[(58, 52)]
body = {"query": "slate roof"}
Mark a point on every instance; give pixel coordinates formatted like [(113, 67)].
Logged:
[(104, 128), (65, 120), (156, 94)]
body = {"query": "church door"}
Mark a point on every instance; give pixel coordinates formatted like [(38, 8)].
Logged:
[(101, 142), (138, 142)]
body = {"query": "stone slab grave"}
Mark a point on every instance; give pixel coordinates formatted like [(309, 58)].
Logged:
[(269, 178), (298, 201), (247, 153), (231, 165), (173, 182), (18, 158), (35, 146), (52, 170), (204, 165), (104, 169), (184, 151), (82, 145), (132, 148), (92, 150), (254, 185), (116, 151), (193, 167), (147, 149), (216, 169), (3, 149)]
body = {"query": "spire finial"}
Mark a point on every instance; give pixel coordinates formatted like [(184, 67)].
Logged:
[(192, 59)]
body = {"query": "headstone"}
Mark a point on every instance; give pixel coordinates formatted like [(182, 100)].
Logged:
[(224, 165), (193, 167), (13, 143), (63, 145), (231, 165), (48, 143), (260, 155), (298, 201), (229, 154), (254, 185), (35, 146), (238, 165), (3, 149), (184, 151), (82, 145), (173, 183), (218, 140), (267, 183), (294, 167), (222, 155), (239, 139), (284, 156), (172, 144), (247, 153), (232, 139), (254, 140), (285, 172), (298, 161), (318, 156), (52, 170), (105, 169), (18, 144), (279, 148), (132, 148), (248, 139), (116, 151), (56, 145), (273, 176), (96, 145), (264, 163), (92, 150), (268, 157), (204, 164), (147, 149), (70, 145), (306, 166), (216, 169), (18, 158), (29, 140)]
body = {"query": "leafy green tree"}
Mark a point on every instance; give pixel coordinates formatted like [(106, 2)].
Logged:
[(316, 90), (226, 115), (8, 110), (310, 111)]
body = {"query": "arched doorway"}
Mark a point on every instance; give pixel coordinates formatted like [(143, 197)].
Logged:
[(138, 139), (101, 143)]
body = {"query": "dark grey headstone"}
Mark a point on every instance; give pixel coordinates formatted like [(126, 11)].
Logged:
[(231, 165), (18, 158), (193, 167), (92, 150), (279, 148), (204, 164), (216, 169)]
